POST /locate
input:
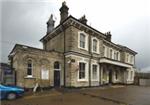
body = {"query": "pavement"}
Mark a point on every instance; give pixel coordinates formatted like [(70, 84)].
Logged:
[(107, 95)]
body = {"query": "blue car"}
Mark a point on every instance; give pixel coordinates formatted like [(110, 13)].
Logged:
[(10, 92)]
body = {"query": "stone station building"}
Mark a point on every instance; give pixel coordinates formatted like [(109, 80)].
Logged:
[(74, 54)]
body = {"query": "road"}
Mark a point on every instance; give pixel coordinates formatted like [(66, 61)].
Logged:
[(114, 95)]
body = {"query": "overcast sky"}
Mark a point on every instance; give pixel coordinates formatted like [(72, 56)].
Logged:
[(24, 22)]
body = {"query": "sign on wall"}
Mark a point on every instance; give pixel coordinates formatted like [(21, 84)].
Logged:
[(45, 74)]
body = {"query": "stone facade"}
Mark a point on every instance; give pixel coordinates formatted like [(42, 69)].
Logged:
[(86, 57), (41, 59)]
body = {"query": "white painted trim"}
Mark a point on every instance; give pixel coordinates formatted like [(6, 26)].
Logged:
[(86, 40), (111, 57), (92, 72), (105, 51), (97, 52), (86, 71), (104, 60), (88, 28), (30, 76), (118, 55)]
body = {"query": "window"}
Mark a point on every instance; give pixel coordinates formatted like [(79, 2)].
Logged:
[(116, 74), (105, 51), (94, 45), (45, 74), (127, 57), (82, 40), (132, 59), (56, 65), (94, 72), (117, 56), (110, 53), (131, 75), (29, 68), (82, 67)]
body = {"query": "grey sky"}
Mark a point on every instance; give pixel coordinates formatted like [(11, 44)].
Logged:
[(24, 22)]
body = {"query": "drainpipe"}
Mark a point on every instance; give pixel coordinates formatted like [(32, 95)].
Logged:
[(12, 68), (100, 74), (90, 60), (64, 55)]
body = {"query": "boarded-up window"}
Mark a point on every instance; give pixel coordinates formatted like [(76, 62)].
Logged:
[(44, 74)]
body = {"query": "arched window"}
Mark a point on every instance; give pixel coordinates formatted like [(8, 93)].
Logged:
[(29, 68), (56, 65)]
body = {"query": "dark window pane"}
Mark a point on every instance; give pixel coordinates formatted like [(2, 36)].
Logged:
[(29, 67), (82, 40), (81, 70), (29, 71), (56, 65), (95, 45), (94, 71)]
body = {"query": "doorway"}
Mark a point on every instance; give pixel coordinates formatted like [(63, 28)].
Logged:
[(110, 76), (57, 74), (56, 78)]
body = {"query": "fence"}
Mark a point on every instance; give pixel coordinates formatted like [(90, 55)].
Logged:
[(142, 79)]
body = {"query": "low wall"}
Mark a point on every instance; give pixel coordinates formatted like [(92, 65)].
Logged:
[(144, 82)]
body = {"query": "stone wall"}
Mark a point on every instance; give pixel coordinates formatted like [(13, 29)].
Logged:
[(41, 59)]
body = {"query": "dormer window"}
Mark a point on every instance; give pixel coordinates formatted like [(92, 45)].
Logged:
[(83, 41)]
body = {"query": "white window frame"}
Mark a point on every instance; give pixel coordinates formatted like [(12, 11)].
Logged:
[(117, 73), (94, 38), (105, 51), (132, 59), (132, 75), (97, 79), (127, 58), (86, 40), (86, 70), (30, 76), (110, 53), (117, 55)]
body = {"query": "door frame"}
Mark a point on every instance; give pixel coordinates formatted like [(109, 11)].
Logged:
[(57, 82), (57, 70), (110, 76)]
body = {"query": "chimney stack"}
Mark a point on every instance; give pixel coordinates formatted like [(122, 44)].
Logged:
[(63, 12), (50, 24), (108, 36), (83, 19)]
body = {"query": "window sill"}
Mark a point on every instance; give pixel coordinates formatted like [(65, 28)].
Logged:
[(95, 80), (95, 52), (29, 77), (82, 80), (86, 49)]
